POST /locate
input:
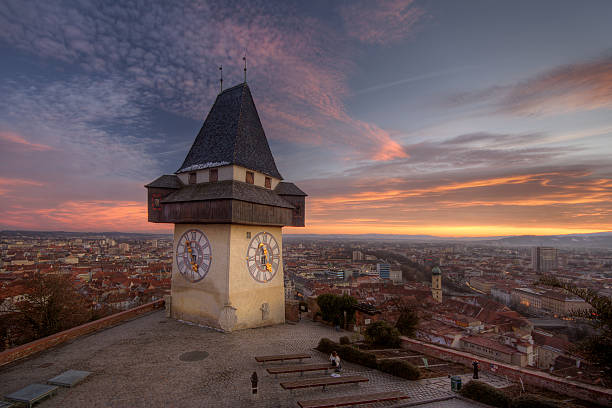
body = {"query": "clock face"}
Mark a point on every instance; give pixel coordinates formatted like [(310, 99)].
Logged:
[(193, 255), (263, 257)]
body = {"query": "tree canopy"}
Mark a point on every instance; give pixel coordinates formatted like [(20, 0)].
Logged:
[(51, 304), (334, 308)]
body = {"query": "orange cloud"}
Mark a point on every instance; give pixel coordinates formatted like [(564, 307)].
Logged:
[(19, 140), (85, 216), (15, 182), (395, 194), (555, 202)]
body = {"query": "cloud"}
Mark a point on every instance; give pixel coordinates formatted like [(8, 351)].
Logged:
[(169, 53), (75, 126), (8, 184), (479, 150), (569, 88), (14, 140), (471, 184), (83, 216), (441, 202), (382, 22), (75, 154)]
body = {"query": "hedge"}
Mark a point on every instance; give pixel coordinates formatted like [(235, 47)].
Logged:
[(366, 359), (481, 392), (327, 346), (350, 353), (533, 401), (345, 340), (400, 368)]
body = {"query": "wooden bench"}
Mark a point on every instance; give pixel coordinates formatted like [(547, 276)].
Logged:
[(298, 368), (281, 357), (322, 382), (353, 400)]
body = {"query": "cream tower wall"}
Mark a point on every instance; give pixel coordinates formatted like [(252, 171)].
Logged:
[(246, 294), (202, 302), (232, 172), (228, 297)]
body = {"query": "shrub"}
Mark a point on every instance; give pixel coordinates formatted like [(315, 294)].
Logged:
[(382, 334), (400, 368), (345, 340), (327, 346), (481, 392), (357, 356), (533, 401)]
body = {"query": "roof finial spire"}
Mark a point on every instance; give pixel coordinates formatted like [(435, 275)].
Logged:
[(245, 65), (221, 79)]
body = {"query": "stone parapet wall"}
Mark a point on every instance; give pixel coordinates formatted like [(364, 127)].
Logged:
[(540, 379), (45, 343)]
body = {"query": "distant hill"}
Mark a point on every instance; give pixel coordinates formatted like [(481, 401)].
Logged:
[(597, 240), (387, 237), (72, 234), (594, 240)]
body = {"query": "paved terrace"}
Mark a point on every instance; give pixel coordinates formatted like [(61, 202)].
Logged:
[(137, 364)]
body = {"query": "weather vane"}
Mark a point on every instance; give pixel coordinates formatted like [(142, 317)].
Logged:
[(221, 79)]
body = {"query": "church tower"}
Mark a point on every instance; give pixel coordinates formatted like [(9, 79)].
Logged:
[(228, 204), (436, 284)]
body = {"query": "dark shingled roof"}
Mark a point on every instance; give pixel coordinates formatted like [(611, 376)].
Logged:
[(227, 189), (166, 181), (284, 188), (232, 134)]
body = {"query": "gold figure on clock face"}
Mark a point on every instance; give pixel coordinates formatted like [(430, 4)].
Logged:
[(193, 255), (263, 257)]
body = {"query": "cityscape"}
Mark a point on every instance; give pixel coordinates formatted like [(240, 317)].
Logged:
[(377, 203), (491, 302)]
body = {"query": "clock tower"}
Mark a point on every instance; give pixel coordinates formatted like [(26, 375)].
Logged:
[(228, 204)]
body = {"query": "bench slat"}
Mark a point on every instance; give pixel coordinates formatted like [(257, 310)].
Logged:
[(322, 381), (281, 357), (353, 400), (298, 368)]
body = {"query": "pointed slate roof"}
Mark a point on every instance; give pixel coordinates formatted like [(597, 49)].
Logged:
[(232, 134)]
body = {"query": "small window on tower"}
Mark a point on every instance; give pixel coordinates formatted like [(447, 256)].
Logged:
[(213, 175), (268, 182), (192, 178), (250, 177)]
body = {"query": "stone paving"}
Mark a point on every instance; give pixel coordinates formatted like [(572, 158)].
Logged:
[(137, 364)]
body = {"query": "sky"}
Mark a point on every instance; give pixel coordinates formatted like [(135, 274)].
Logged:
[(448, 118)]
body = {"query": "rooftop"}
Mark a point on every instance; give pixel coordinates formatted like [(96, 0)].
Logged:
[(143, 363), (232, 134)]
